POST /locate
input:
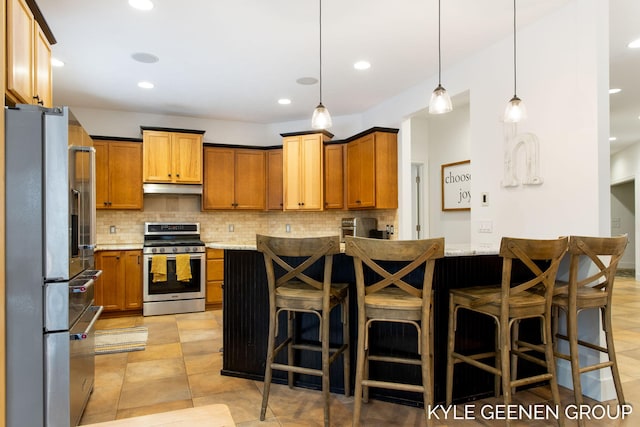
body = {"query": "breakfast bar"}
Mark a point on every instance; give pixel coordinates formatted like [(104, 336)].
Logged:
[(246, 319)]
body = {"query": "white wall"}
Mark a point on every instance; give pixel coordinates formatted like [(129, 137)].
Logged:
[(625, 166), (623, 216)]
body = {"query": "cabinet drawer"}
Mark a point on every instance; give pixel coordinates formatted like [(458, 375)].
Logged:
[(215, 253), (215, 269)]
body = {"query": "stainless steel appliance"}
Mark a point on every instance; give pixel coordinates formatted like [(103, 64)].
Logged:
[(50, 235), (359, 227), (170, 295)]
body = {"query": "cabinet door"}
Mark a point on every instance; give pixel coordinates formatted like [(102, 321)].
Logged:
[(292, 147), (125, 175), (43, 75), (102, 174), (361, 173), (109, 286), (20, 32), (386, 171), (187, 158), (334, 176), (274, 180), (249, 180), (215, 275), (132, 266), (157, 156), (218, 191), (312, 155)]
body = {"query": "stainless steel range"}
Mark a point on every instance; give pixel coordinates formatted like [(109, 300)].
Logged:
[(174, 268)]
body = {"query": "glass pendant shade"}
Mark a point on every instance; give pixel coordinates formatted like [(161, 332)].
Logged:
[(515, 111), (321, 118), (440, 102)]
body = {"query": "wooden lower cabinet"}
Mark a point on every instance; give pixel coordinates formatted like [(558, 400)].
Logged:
[(215, 276), (119, 288)]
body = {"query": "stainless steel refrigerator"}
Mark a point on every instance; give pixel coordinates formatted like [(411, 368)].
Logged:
[(50, 239)]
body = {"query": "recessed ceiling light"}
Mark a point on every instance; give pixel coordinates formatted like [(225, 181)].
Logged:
[(614, 90), (612, 138), (634, 44), (284, 101), (144, 57), (362, 65), (146, 85), (55, 62), (307, 81), (141, 4)]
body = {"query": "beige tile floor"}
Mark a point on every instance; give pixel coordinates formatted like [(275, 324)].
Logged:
[(180, 368)]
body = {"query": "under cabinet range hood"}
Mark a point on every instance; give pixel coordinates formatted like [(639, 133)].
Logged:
[(149, 188)]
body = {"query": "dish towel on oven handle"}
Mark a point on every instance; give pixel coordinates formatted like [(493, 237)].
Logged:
[(183, 267), (159, 268)]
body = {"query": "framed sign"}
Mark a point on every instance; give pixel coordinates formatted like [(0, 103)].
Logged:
[(456, 186)]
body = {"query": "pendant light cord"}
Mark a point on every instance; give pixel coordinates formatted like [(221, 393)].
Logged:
[(320, 15), (439, 54), (515, 74)]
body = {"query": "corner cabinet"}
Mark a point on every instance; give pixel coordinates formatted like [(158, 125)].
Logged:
[(118, 174), (303, 161), (234, 179), (275, 199), (334, 176), (172, 157), (119, 288), (28, 54), (372, 170)]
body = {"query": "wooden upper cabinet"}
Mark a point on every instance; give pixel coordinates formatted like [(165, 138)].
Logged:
[(334, 176), (172, 157), (43, 77), (274, 180), (187, 158), (372, 171), (233, 179), (303, 172), (118, 174), (28, 57)]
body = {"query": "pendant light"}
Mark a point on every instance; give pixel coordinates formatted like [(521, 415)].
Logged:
[(440, 102), (515, 110), (321, 118)]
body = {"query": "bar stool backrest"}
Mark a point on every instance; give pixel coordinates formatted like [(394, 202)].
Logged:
[(416, 252), (593, 248), (311, 248)]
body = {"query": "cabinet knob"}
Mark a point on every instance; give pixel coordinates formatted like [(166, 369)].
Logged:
[(169, 175), (178, 175)]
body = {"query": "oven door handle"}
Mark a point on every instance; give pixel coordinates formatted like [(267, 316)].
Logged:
[(84, 335)]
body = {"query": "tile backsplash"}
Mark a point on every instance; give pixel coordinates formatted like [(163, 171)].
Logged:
[(225, 226)]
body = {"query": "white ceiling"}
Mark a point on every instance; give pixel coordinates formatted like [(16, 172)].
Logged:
[(233, 60)]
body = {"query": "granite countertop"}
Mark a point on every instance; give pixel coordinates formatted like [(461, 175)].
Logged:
[(118, 247), (452, 250)]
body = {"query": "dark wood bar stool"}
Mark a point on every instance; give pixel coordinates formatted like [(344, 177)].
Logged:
[(507, 304), (387, 297), (591, 289), (291, 290)]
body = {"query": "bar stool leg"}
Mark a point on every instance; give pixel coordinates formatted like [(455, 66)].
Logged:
[(291, 317), (269, 361), (357, 394), (451, 341), (551, 366), (346, 354), (608, 328), (325, 365)]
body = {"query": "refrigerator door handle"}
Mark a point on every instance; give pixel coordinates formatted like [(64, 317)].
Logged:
[(85, 334)]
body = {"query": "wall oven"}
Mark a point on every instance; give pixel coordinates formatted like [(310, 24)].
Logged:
[(174, 269)]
